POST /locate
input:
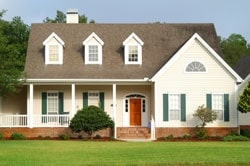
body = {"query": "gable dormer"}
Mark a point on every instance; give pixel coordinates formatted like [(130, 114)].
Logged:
[(93, 49), (53, 49), (133, 49)]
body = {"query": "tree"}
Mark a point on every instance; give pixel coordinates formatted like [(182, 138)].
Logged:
[(244, 102), (90, 120), (61, 18), (13, 47), (233, 48), (206, 116)]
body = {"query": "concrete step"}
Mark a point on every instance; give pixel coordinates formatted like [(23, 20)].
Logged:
[(133, 133)]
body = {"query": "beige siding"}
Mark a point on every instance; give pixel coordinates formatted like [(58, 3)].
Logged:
[(195, 86), (15, 104)]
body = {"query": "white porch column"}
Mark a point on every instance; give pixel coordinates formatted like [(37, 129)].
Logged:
[(73, 99), (114, 109), (30, 105)]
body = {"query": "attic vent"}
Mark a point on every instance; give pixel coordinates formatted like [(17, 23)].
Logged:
[(72, 16)]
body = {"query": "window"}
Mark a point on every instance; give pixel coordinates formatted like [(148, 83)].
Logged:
[(133, 49), (93, 98), (93, 53), (218, 105), (53, 49), (195, 66), (52, 103), (174, 107), (53, 53), (93, 49), (133, 54)]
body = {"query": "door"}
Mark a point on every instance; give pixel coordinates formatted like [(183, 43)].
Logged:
[(135, 112)]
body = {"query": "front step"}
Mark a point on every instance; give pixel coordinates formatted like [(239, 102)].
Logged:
[(133, 133)]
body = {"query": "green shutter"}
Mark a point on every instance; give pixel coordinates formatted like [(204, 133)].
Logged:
[(44, 106), (85, 99), (60, 103), (209, 101), (165, 107), (101, 100), (183, 107), (226, 107)]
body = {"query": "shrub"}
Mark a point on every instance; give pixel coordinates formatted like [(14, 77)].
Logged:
[(98, 136), (169, 137), (235, 138), (200, 132), (1, 136), (17, 136), (64, 136), (245, 132), (90, 120), (187, 136)]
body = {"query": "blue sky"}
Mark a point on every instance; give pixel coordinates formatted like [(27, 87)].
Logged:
[(229, 16)]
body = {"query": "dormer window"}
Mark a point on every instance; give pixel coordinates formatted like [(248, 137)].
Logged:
[(53, 49), (133, 49), (93, 49)]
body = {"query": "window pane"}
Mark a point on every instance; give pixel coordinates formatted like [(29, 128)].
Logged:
[(52, 103), (93, 98), (53, 53), (93, 53), (218, 105), (133, 53), (174, 106), (195, 67)]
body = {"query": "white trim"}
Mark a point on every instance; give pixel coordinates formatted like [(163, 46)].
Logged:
[(98, 42), (114, 109), (47, 44), (31, 105), (131, 36), (93, 35), (180, 52), (73, 99), (127, 44), (53, 35)]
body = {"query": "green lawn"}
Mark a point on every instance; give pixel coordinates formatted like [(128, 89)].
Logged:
[(76, 153)]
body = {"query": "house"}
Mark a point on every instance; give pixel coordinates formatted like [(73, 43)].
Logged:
[(150, 78), (242, 67)]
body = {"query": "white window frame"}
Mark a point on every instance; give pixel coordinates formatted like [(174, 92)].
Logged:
[(53, 40), (87, 54), (174, 106), (127, 54), (93, 40), (53, 96), (218, 106), (133, 40), (94, 95)]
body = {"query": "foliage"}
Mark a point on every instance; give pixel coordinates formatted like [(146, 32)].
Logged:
[(205, 115), (244, 102), (17, 136), (61, 18), (64, 136), (245, 132), (235, 138), (90, 120), (1, 136), (13, 46), (233, 48), (200, 132)]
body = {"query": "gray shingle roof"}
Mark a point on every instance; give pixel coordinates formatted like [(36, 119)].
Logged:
[(161, 41), (242, 67)]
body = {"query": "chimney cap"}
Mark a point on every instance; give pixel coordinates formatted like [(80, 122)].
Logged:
[(72, 11)]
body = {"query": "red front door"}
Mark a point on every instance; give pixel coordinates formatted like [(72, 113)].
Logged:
[(135, 112)]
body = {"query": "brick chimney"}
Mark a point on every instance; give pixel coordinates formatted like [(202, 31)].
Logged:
[(72, 16)]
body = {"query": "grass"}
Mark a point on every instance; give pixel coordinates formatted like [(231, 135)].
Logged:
[(77, 153)]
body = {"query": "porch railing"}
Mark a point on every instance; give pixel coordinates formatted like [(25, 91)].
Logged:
[(35, 121)]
